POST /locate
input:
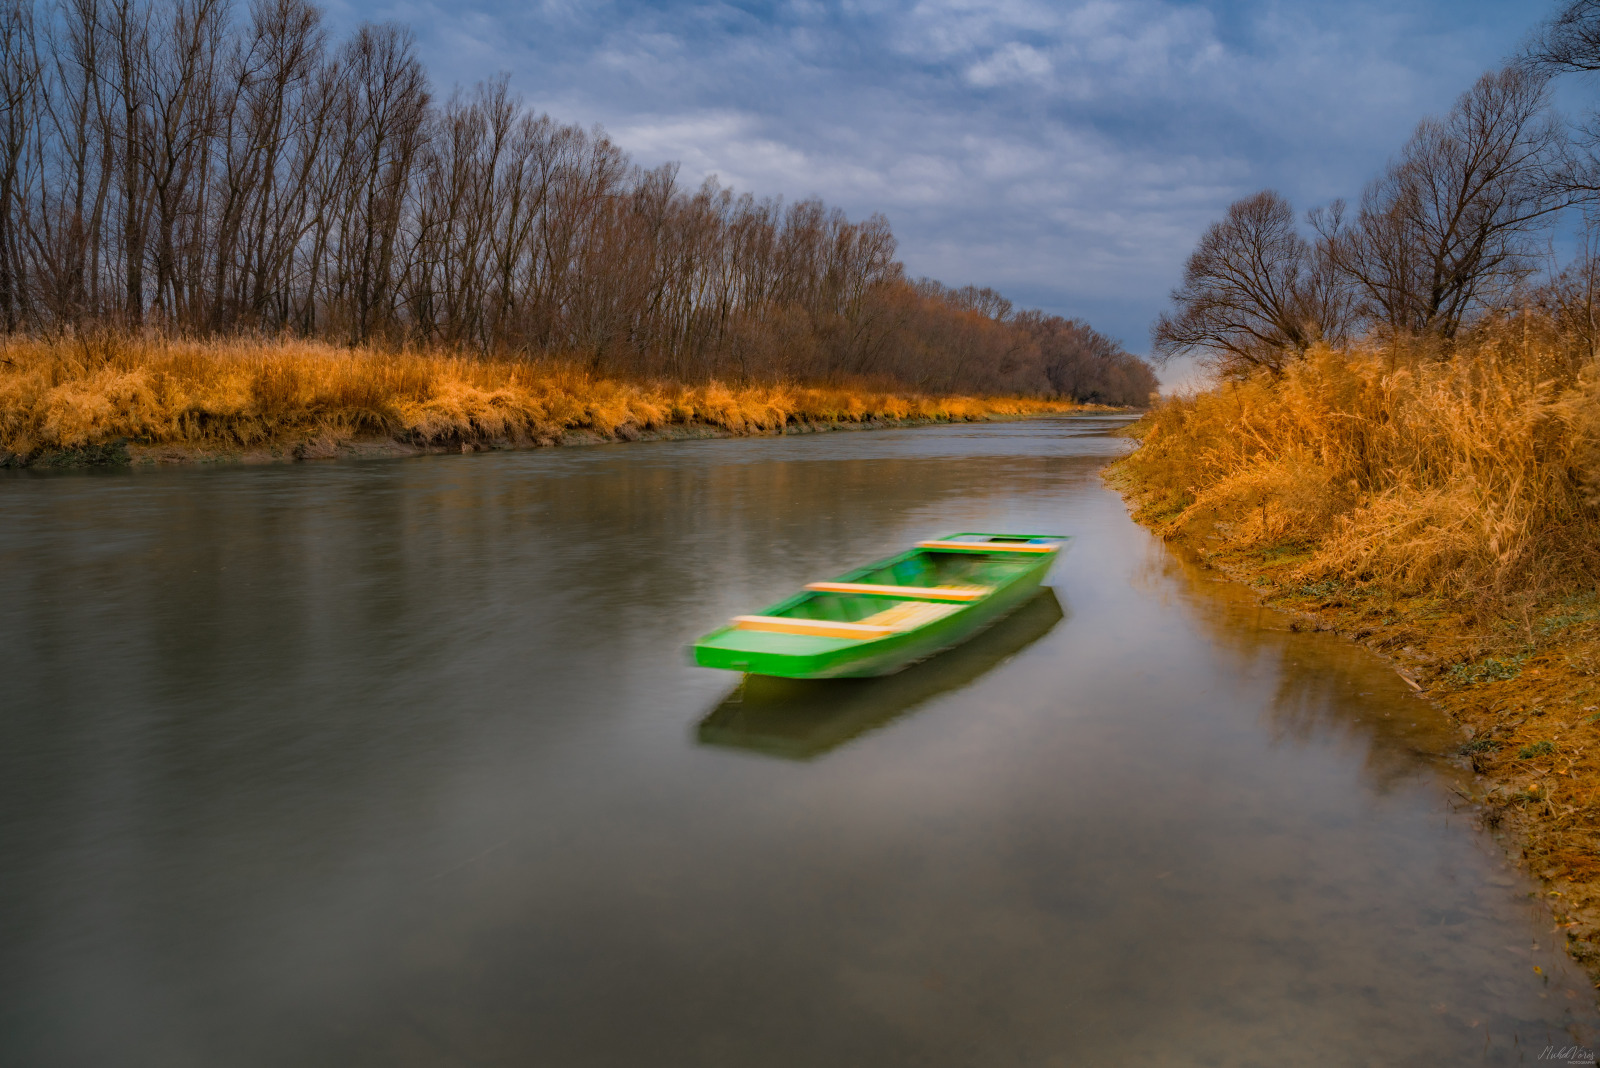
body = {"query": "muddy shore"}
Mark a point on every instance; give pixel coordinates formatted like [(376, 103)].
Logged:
[(126, 452)]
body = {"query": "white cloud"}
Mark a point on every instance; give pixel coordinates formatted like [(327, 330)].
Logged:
[(1009, 64), (942, 29)]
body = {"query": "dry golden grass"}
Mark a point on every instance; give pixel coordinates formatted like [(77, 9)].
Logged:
[(1468, 477), (1443, 511), (80, 393)]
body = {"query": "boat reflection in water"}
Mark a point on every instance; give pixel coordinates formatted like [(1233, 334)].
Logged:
[(801, 719)]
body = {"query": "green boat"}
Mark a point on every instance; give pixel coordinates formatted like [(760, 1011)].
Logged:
[(877, 619)]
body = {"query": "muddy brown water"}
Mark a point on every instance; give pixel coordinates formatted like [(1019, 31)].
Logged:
[(402, 762)]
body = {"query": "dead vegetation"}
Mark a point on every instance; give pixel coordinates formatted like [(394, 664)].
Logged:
[(1471, 476), (79, 397)]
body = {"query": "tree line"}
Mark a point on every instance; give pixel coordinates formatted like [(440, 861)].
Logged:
[(1456, 228), (179, 165)]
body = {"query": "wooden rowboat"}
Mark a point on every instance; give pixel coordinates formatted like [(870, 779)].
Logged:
[(877, 619)]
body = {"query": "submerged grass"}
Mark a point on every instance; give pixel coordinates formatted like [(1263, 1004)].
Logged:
[(87, 399), (1444, 509)]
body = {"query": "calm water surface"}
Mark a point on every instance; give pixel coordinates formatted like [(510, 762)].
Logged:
[(403, 763)]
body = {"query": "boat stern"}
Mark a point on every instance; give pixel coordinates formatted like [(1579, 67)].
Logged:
[(796, 656)]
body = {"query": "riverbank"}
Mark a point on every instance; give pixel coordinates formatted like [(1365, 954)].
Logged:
[(119, 400), (1443, 513)]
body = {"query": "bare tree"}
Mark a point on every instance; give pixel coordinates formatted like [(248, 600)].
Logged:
[(128, 33), (381, 119), (177, 94), (74, 157), (21, 75), (1570, 43), (1255, 294), (1451, 225), (267, 109)]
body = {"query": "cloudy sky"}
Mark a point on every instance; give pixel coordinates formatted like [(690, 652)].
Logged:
[(1065, 153)]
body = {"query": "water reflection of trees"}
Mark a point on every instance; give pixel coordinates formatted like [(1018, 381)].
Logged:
[(1322, 685)]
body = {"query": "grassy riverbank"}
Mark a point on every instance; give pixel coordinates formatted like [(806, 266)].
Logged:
[(1444, 510), (120, 399)]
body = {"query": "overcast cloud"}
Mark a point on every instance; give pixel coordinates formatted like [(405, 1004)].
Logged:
[(1067, 154)]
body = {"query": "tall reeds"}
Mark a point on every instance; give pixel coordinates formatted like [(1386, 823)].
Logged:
[(1467, 474), (81, 393)]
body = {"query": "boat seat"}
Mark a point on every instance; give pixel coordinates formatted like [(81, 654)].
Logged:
[(987, 546), (910, 593), (906, 615)]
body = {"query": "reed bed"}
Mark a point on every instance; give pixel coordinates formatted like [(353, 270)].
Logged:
[(79, 394), (1473, 476)]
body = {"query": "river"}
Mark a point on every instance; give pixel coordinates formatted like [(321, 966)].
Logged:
[(403, 762)]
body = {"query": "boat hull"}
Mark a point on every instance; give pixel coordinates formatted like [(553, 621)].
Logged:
[(806, 657)]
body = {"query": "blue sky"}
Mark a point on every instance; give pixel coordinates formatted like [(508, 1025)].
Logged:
[(1067, 154)]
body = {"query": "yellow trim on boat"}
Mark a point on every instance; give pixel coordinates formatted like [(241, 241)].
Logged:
[(820, 628), (987, 546), (916, 593)]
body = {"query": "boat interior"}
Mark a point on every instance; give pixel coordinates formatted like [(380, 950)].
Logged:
[(932, 569), (910, 592)]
